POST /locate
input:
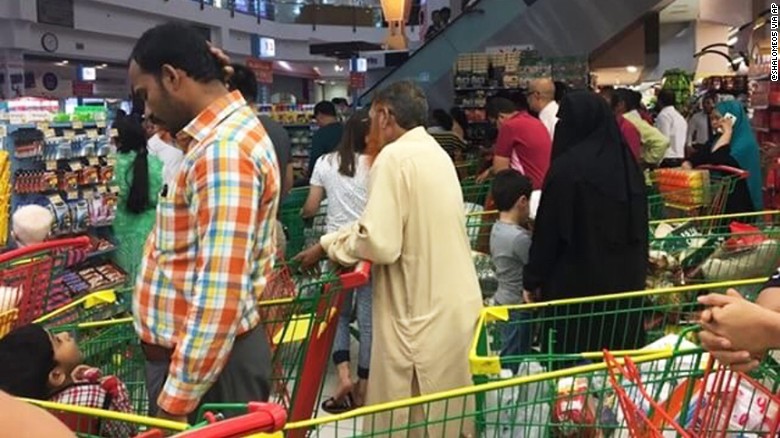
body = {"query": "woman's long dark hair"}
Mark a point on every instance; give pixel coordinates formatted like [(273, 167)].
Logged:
[(132, 138), (353, 142)]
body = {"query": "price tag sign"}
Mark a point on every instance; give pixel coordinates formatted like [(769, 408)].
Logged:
[(113, 133), (101, 189), (78, 125), (51, 165), (73, 195), (49, 133), (3, 131), (42, 126), (69, 134), (101, 123), (93, 161), (114, 189), (92, 133), (75, 165)]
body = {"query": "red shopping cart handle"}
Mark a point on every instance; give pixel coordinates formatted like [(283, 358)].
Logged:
[(739, 173), (260, 418), (72, 243), (357, 277)]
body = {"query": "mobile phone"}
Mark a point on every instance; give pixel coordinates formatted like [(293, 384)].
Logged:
[(731, 117)]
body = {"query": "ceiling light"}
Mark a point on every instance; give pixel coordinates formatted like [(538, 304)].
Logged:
[(739, 60), (285, 65), (733, 41), (733, 31), (761, 22), (338, 68), (632, 69)]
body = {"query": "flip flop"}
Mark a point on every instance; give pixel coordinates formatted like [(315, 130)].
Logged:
[(333, 406)]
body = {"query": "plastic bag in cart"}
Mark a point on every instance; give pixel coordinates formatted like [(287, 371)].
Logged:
[(517, 411)]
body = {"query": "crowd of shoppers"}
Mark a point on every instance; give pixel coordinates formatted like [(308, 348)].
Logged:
[(394, 198)]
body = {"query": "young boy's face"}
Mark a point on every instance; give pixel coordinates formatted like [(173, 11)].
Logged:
[(67, 356)]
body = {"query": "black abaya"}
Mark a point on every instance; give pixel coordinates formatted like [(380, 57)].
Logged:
[(590, 236)]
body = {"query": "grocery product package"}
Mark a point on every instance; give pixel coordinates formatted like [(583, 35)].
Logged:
[(733, 403), (682, 187)]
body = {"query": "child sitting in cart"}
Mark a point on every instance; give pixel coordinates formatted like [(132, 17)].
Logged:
[(37, 364), (510, 244)]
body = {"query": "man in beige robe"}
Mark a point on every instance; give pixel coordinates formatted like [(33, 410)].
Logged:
[(426, 294)]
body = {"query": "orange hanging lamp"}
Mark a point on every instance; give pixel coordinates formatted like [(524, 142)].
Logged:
[(396, 14)]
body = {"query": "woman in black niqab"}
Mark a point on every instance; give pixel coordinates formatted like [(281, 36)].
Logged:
[(590, 235)]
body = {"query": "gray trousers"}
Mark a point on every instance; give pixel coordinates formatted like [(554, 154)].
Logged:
[(245, 377)]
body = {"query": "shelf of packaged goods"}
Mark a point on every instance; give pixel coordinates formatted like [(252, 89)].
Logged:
[(467, 89)]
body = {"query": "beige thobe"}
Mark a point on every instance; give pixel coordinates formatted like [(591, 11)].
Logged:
[(426, 298)]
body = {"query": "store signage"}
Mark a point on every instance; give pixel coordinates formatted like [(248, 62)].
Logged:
[(359, 65), (263, 47), (264, 70), (56, 12), (88, 73), (83, 89), (357, 80), (50, 81)]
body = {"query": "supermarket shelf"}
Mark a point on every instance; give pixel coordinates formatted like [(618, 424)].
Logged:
[(55, 125), (466, 89)]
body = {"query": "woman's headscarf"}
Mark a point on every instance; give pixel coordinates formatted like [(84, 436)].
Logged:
[(588, 146), (745, 149), (587, 133)]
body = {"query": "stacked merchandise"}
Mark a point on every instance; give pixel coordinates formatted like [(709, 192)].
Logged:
[(732, 85), (298, 121), (765, 108), (68, 167), (681, 83)]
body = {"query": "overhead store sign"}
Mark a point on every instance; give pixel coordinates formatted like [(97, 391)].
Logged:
[(359, 65), (263, 70), (83, 89), (357, 81), (88, 73), (263, 47)]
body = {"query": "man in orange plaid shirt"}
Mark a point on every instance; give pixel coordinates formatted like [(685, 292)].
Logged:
[(206, 262)]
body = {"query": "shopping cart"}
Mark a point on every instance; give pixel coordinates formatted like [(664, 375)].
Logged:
[(474, 192), (676, 193), (257, 419), (714, 248), (300, 232), (573, 331), (574, 402), (299, 315), (27, 277), (690, 403)]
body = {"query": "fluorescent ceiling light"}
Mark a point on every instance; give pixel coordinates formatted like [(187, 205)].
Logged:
[(733, 40), (632, 69), (285, 65)]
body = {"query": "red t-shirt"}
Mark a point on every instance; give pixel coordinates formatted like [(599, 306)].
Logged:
[(631, 135), (527, 137)]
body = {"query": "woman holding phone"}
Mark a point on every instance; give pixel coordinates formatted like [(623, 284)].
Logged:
[(734, 147)]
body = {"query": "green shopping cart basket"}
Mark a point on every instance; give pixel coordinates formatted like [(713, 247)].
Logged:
[(713, 248), (563, 333)]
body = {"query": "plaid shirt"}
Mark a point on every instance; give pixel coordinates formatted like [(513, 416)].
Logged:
[(107, 393), (206, 261)]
